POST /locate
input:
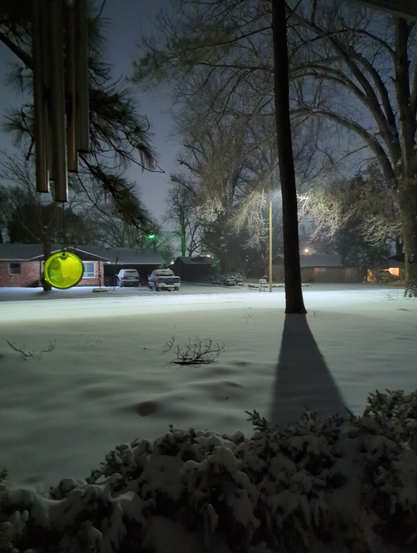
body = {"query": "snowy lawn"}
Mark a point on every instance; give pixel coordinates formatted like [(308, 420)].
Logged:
[(107, 380), (98, 370)]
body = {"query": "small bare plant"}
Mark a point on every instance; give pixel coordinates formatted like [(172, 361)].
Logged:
[(195, 352), (249, 315), (91, 344), (25, 354), (169, 345)]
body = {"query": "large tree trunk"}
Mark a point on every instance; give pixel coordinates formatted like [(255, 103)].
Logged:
[(409, 235), (407, 185), (293, 292)]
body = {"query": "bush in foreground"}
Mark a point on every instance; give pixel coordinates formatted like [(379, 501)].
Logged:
[(343, 484)]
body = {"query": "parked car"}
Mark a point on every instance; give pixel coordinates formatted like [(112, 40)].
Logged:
[(127, 277), (163, 279)]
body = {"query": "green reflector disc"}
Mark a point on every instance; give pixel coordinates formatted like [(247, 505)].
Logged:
[(63, 270)]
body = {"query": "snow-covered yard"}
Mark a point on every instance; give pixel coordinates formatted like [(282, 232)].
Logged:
[(108, 381)]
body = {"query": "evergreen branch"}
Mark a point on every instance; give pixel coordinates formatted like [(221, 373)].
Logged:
[(19, 52)]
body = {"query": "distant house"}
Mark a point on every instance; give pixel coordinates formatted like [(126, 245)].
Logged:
[(194, 269), (144, 261), (397, 266), (319, 268), (21, 265)]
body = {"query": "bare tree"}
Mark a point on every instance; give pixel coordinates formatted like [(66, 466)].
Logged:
[(183, 214), (231, 42), (367, 61), (212, 160), (366, 199)]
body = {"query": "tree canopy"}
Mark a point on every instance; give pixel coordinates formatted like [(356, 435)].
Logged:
[(118, 133), (351, 68)]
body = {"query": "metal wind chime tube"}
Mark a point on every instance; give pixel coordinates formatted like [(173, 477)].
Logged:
[(48, 69), (81, 76), (72, 154), (39, 99), (60, 84), (59, 154)]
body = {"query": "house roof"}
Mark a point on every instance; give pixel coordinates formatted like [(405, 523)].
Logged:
[(133, 256), (124, 256), (19, 252), (397, 261), (34, 252), (198, 260), (318, 260), (321, 260)]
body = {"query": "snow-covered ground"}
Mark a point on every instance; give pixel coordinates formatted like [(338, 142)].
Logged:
[(107, 381)]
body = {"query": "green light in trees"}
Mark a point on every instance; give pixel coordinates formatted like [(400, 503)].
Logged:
[(151, 236)]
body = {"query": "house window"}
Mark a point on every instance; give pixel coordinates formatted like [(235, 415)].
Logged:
[(319, 270), (88, 270), (14, 268)]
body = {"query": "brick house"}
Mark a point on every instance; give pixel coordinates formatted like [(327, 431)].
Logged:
[(21, 265)]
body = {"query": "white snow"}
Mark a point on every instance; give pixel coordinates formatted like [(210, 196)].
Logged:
[(107, 382)]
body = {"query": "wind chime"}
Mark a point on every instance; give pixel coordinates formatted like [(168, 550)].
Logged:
[(61, 110)]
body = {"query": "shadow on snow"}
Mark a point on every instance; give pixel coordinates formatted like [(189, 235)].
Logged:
[(302, 378)]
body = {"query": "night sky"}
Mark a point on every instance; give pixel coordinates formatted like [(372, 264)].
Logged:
[(126, 21)]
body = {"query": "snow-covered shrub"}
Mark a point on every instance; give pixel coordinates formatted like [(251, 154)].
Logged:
[(389, 447), (228, 279), (348, 482), (385, 277)]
